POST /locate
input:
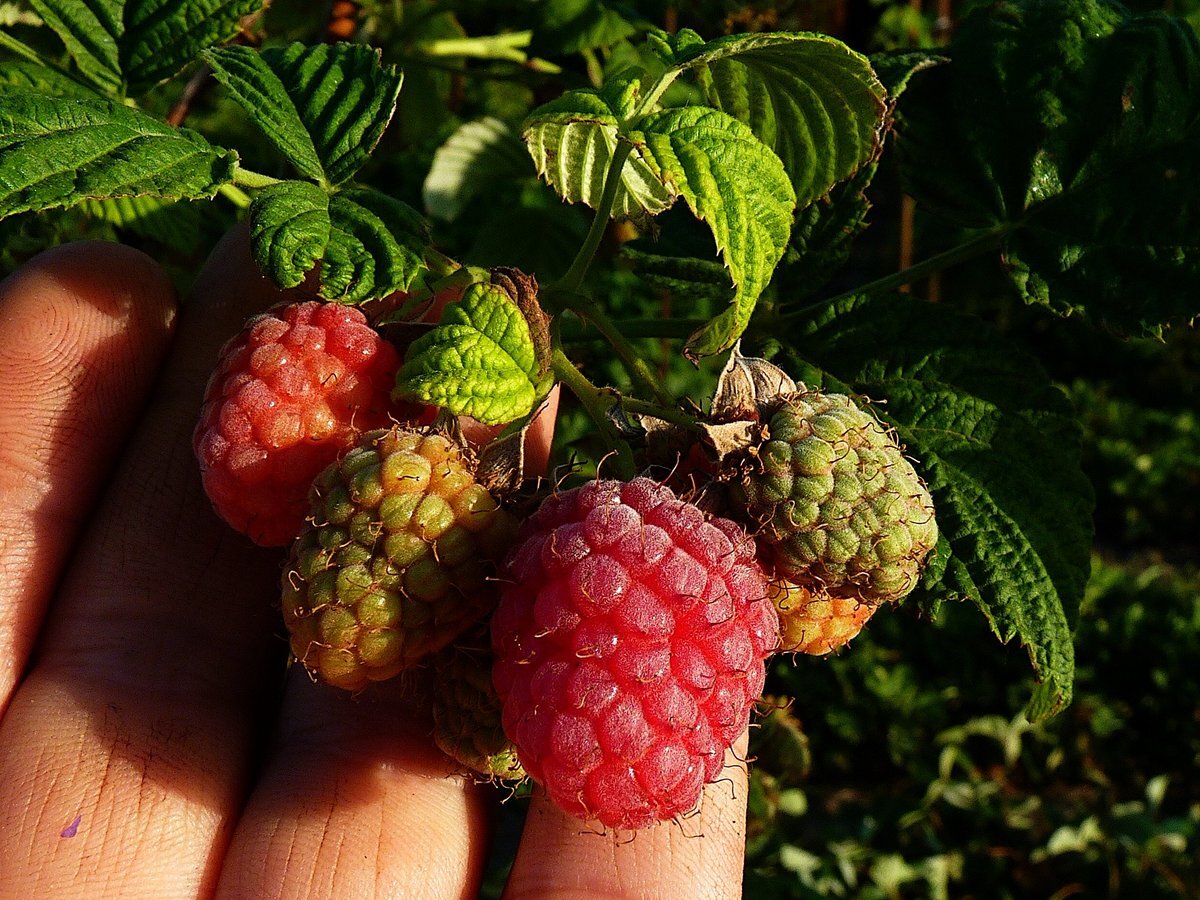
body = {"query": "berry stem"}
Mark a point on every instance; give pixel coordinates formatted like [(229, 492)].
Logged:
[(591, 313), (571, 281), (666, 412), (249, 179), (969, 249), (594, 404)]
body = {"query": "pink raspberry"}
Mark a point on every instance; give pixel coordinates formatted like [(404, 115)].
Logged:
[(291, 393), (630, 640)]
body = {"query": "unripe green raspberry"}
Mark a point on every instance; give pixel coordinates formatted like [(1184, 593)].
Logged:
[(840, 509), (466, 713), (396, 560)]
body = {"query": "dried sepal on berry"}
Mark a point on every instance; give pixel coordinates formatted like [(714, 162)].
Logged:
[(397, 560)]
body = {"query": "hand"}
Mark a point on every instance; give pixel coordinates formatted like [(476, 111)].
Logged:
[(150, 745)]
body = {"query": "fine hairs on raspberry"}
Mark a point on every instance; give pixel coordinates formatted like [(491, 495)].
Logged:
[(630, 641), (291, 393)]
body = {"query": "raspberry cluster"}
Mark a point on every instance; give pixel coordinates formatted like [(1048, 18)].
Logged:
[(610, 644)]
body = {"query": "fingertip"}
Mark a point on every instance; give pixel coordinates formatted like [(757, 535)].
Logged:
[(117, 281)]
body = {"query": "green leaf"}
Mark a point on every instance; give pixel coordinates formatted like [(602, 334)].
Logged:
[(57, 151), (999, 446), (572, 140), (163, 36), (479, 361), (571, 26), (289, 230), (376, 246), (132, 45), (1084, 156), (184, 227), (323, 107), (477, 156), (257, 89), (735, 185), (91, 30), (24, 75), (824, 234), (808, 97), (687, 277), (15, 14), (369, 245)]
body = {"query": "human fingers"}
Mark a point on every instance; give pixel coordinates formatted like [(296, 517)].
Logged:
[(699, 856), (83, 329), (355, 800), (127, 750)]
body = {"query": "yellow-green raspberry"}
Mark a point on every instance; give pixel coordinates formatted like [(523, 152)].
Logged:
[(837, 506), (396, 560), (816, 624), (466, 713)]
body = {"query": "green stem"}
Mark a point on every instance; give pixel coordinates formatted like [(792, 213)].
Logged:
[(650, 100), (20, 48), (635, 328), (612, 180), (667, 412), (981, 243), (235, 195), (248, 179), (593, 402), (637, 367)]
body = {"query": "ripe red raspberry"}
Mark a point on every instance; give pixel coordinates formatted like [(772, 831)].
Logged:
[(290, 394), (630, 641)]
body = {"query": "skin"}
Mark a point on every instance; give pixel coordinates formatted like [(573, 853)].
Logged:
[(151, 744)]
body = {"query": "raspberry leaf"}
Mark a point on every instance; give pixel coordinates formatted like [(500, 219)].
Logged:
[(999, 447), (478, 156), (57, 151), (480, 360), (289, 230), (808, 97), (29, 76), (1086, 164), (369, 245), (128, 46), (572, 26), (91, 31), (732, 182), (572, 141), (322, 107)]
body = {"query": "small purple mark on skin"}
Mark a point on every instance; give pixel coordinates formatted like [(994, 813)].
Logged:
[(72, 829)]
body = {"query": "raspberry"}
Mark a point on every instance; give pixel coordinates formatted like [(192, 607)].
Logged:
[(466, 713), (291, 393), (817, 623), (630, 641), (396, 560), (839, 507)]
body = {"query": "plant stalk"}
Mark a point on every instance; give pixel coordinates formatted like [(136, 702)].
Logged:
[(593, 402), (571, 281), (639, 370), (981, 243), (253, 180)]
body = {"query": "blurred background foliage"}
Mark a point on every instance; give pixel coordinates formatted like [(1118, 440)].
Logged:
[(902, 767)]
